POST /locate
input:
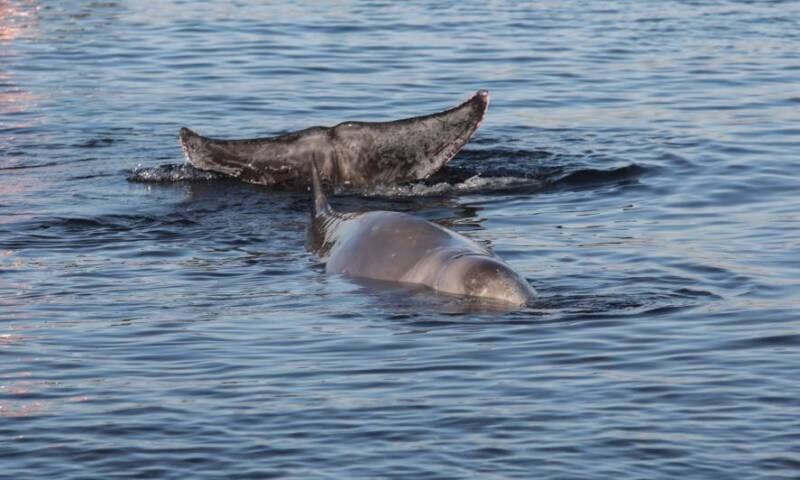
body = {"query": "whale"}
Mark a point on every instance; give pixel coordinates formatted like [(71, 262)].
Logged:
[(398, 247), (351, 155)]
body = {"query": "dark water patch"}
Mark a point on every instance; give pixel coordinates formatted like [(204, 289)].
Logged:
[(96, 143), (90, 177), (593, 177), (29, 166), (590, 303), (546, 308), (67, 233), (788, 340), (61, 162)]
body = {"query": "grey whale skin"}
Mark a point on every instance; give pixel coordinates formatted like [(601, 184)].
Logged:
[(350, 154), (394, 246)]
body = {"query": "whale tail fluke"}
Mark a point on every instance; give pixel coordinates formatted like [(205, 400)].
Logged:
[(414, 148), (320, 204)]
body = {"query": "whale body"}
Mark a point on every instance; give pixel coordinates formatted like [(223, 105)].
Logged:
[(394, 246)]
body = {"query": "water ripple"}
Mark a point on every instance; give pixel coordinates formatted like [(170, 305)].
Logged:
[(637, 166)]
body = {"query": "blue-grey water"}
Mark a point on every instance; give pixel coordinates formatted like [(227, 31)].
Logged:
[(638, 165)]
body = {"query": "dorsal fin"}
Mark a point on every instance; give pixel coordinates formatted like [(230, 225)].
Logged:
[(320, 206)]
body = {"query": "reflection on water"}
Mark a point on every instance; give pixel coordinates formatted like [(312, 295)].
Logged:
[(14, 101), (17, 17), (16, 385), (18, 106)]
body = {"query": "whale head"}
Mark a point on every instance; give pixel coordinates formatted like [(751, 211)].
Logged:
[(486, 277)]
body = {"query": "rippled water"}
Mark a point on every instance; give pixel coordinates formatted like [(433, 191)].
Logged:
[(638, 166)]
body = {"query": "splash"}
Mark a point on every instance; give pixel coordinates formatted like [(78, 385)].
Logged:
[(172, 173), (484, 171), (473, 184)]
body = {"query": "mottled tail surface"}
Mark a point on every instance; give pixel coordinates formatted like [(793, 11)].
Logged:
[(354, 155)]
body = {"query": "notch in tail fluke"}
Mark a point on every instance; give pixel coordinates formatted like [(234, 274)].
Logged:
[(320, 206)]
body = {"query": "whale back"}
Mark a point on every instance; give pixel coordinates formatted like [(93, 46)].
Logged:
[(379, 244)]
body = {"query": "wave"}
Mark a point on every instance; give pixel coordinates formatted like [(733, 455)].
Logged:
[(64, 233), (473, 171)]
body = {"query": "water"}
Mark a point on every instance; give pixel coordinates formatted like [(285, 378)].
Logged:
[(638, 165)]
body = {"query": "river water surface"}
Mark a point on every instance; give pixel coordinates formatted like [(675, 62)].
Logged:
[(638, 165)]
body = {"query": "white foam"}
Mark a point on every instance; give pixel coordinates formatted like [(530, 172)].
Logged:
[(476, 183), (171, 173)]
